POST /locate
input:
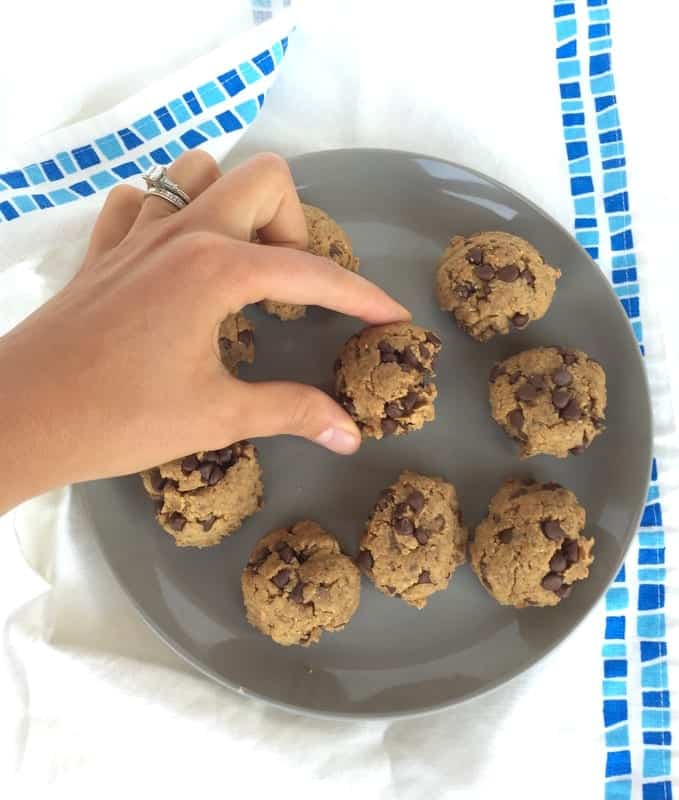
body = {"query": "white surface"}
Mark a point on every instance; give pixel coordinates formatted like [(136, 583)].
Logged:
[(91, 701)]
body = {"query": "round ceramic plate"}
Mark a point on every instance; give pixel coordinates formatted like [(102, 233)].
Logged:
[(400, 210)]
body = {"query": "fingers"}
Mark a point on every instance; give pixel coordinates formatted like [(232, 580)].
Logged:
[(193, 172), (115, 219), (269, 409), (292, 276), (257, 198)]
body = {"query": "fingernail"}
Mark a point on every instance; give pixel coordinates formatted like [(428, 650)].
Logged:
[(339, 441)]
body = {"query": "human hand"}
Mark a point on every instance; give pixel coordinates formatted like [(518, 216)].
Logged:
[(120, 371)]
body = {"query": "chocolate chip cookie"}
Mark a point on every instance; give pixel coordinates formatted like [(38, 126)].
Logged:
[(530, 550), (382, 378), (205, 496), (415, 538), (298, 584), (550, 399), (494, 282), (236, 341), (326, 239)]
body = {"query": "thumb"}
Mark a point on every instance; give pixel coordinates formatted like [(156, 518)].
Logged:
[(272, 408)]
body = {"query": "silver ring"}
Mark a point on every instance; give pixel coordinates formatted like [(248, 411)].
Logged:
[(171, 197), (157, 181)]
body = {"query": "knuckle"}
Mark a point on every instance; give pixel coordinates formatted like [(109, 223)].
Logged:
[(122, 194), (272, 164)]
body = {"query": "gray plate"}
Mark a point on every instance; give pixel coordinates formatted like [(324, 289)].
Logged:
[(400, 209)]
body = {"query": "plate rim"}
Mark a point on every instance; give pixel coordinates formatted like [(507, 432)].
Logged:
[(492, 686)]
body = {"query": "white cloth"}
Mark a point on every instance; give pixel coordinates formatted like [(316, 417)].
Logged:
[(91, 701)]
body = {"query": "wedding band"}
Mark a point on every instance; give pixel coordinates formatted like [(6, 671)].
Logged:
[(171, 197), (159, 185)]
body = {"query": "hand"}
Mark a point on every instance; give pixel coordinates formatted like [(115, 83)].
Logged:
[(120, 371)]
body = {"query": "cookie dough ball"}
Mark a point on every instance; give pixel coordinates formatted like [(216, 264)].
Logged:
[(530, 550), (414, 539), (236, 341), (298, 584), (326, 239), (494, 282), (551, 400), (205, 496), (382, 378)]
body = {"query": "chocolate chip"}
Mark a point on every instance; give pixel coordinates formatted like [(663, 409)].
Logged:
[(518, 493), (386, 496), (564, 590), (529, 277), (388, 427), (552, 529), (334, 250), (571, 411), (404, 526), (568, 357), (177, 521), (578, 450), (562, 377), (552, 582), (410, 401), (281, 579), (210, 455), (598, 423), (475, 255), (157, 481), (365, 560), (245, 337), (224, 343), (484, 272), (190, 463), (570, 550), (424, 577), (416, 501), (387, 352), (390, 589), (552, 486), (515, 418), (519, 321), (422, 535), (464, 290), (285, 552), (506, 535), (514, 377), (558, 562), (495, 372), (393, 410), (347, 404), (526, 393), (432, 338), (508, 274), (205, 471), (297, 594), (216, 475), (401, 509), (410, 358), (424, 350), (561, 398), (303, 556), (226, 455), (537, 380), (158, 506), (337, 365)]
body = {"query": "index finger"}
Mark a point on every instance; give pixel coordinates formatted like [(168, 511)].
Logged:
[(295, 276)]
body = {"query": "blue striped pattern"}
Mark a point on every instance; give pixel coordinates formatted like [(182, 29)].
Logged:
[(129, 151), (654, 741)]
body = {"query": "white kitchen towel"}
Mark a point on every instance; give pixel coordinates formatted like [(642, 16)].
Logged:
[(555, 100)]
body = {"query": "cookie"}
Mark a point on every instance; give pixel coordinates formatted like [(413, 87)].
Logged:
[(298, 584), (382, 378), (326, 239), (415, 538), (236, 341), (549, 399), (494, 282), (529, 550), (205, 496)]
